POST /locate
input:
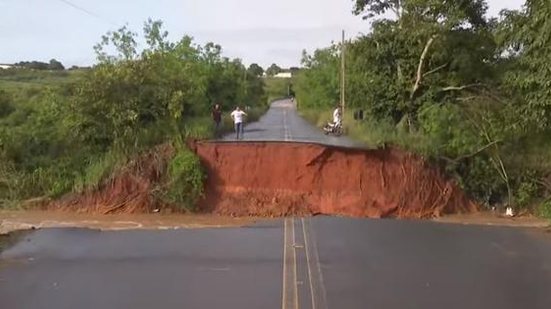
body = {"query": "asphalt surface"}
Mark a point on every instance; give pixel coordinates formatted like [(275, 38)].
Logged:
[(319, 262), (291, 263), (282, 123)]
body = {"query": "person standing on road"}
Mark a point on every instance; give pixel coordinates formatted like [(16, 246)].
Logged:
[(237, 116), (217, 118)]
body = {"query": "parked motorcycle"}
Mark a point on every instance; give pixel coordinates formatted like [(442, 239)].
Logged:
[(334, 129)]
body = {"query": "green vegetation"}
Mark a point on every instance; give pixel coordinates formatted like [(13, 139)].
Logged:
[(441, 79), (273, 70), (53, 65), (186, 177), (68, 131), (278, 88)]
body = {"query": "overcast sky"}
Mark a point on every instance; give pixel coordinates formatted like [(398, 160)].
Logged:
[(262, 31)]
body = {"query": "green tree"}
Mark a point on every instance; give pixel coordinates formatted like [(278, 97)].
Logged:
[(273, 70), (55, 65), (318, 84), (255, 70), (432, 49), (526, 41)]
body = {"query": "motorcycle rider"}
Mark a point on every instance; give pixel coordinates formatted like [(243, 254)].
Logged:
[(337, 116)]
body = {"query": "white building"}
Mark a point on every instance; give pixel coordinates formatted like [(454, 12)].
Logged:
[(6, 66), (284, 75)]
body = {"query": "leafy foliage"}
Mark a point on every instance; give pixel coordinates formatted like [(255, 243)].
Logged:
[(185, 179), (53, 65), (273, 70), (441, 79), (69, 136)]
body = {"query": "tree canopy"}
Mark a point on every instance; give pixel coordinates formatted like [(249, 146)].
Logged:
[(442, 79)]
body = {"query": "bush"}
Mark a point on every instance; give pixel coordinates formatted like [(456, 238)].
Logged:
[(69, 131), (545, 209), (185, 184), (6, 107), (98, 169)]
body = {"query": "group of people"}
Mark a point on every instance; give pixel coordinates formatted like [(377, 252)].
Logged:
[(237, 116)]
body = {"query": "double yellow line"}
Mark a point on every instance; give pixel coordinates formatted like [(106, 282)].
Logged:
[(290, 297), (290, 282), (288, 137)]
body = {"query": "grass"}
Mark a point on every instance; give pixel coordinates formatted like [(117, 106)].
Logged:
[(369, 132), (545, 210), (24, 84), (98, 170), (277, 88), (41, 78)]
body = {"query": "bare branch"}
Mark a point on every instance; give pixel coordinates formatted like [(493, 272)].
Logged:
[(459, 88), (435, 70), (419, 78), (399, 9), (461, 158)]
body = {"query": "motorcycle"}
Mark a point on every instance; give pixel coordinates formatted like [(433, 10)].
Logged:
[(335, 129)]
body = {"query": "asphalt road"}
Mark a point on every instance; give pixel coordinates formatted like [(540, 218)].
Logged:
[(282, 123), (288, 263), (291, 263)]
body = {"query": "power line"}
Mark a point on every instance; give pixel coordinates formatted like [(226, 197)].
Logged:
[(79, 8)]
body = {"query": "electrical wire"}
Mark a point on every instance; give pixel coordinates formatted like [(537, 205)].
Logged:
[(88, 12)]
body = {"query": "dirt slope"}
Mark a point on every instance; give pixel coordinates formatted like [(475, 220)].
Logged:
[(279, 179)]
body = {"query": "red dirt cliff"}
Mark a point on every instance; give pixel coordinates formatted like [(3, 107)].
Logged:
[(279, 179)]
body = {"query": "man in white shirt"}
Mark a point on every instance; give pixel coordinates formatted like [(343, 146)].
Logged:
[(337, 115), (237, 116)]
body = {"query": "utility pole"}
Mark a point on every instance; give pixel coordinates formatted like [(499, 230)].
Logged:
[(343, 79), (244, 83)]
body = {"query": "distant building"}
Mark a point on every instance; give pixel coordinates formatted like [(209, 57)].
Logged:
[(6, 66), (284, 75)]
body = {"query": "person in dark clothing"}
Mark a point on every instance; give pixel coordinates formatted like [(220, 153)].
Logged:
[(217, 118)]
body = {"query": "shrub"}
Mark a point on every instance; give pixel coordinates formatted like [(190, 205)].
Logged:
[(185, 184)]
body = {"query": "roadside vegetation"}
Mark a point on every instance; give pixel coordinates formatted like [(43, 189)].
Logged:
[(67, 131), (441, 79)]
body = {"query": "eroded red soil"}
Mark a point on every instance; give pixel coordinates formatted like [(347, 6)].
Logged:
[(281, 179)]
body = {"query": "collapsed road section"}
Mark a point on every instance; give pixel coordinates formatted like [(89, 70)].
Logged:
[(277, 179), (282, 179)]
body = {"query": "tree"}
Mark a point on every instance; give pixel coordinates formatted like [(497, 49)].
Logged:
[(255, 70), (274, 69), (318, 84), (124, 42), (431, 49), (55, 65), (525, 39)]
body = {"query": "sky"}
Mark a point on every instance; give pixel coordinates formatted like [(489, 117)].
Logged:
[(257, 31)]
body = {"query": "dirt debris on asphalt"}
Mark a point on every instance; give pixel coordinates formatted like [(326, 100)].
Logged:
[(26, 220), (496, 219)]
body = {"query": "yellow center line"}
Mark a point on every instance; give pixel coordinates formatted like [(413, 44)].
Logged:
[(290, 285), (308, 263), (295, 279), (284, 291)]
